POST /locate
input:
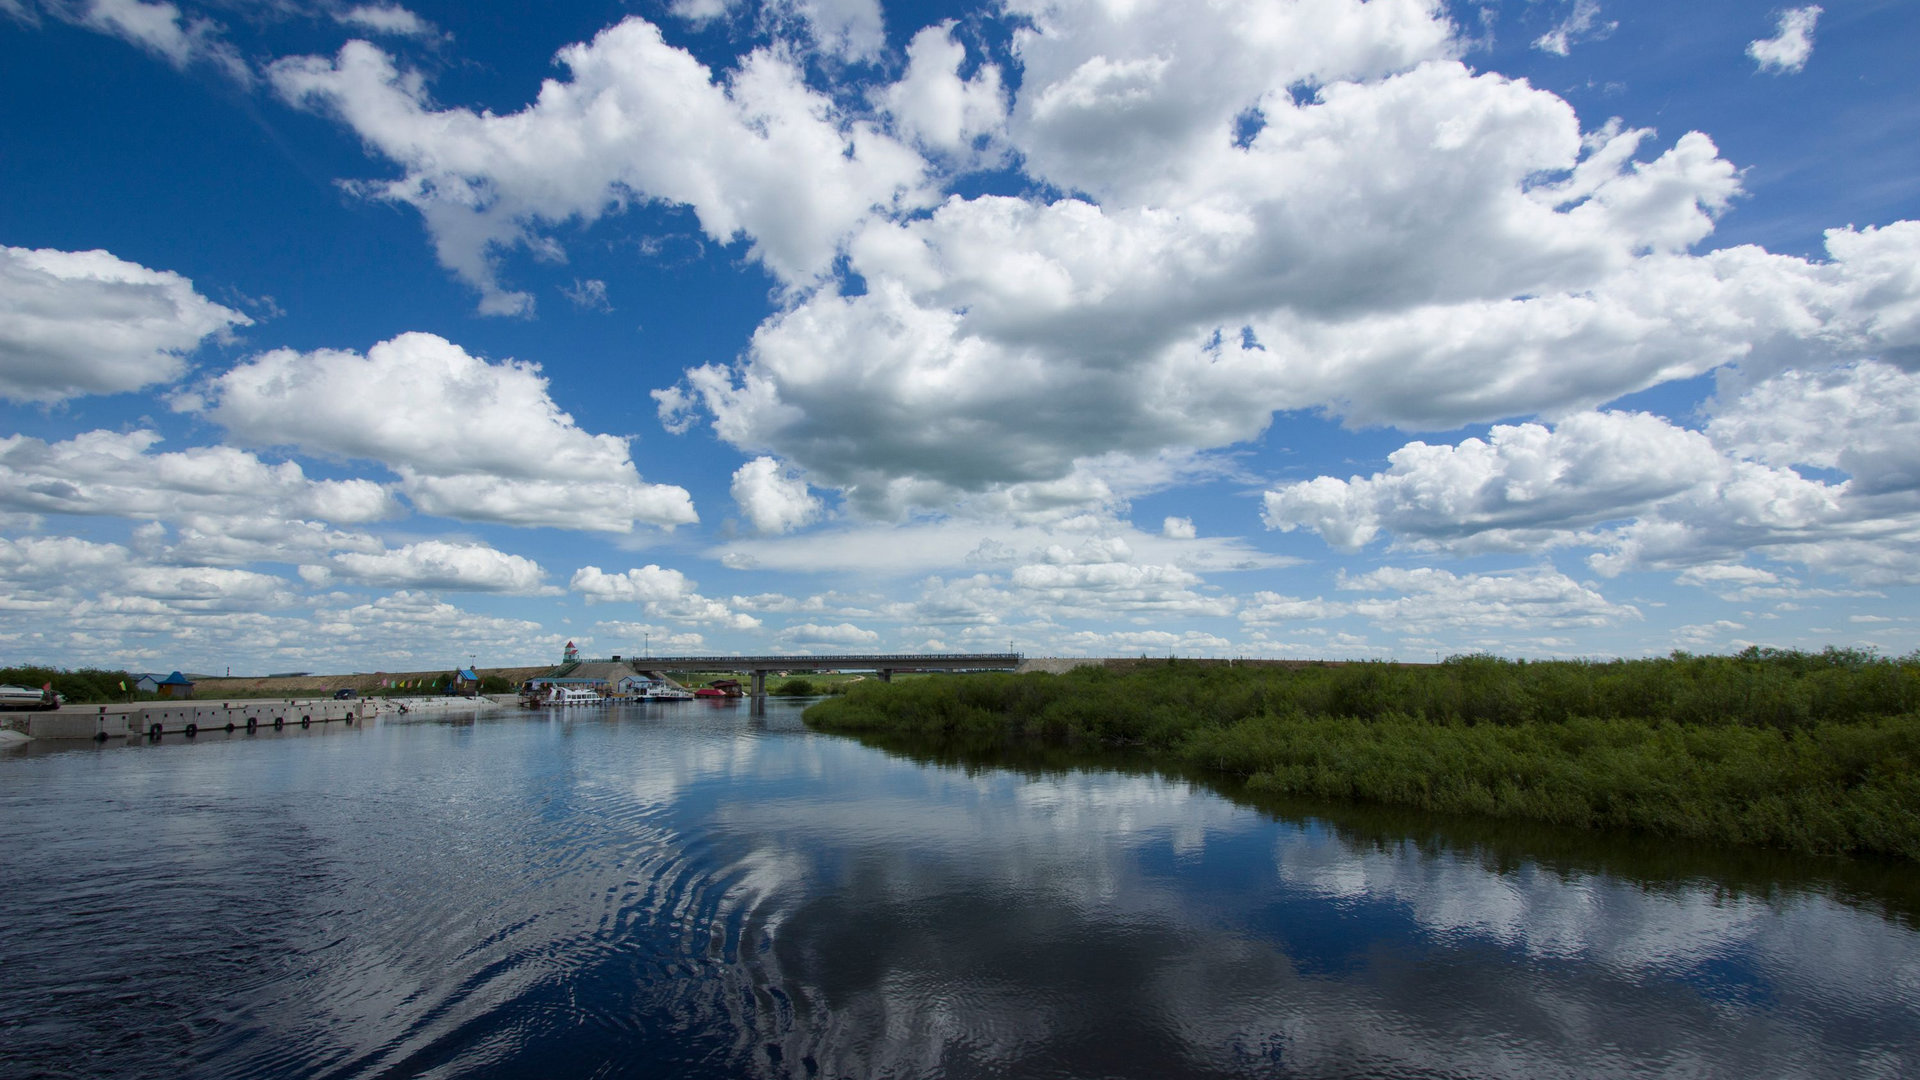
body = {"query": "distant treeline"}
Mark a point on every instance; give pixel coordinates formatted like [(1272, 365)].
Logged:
[(79, 686), (91, 686), (1818, 752)]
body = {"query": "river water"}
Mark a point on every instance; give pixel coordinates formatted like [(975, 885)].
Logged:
[(683, 890)]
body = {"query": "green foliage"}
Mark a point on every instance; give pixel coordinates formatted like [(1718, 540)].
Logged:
[(1817, 752), (81, 686), (814, 687), (496, 684)]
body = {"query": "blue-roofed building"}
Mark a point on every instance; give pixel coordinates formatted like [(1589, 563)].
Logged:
[(175, 685)]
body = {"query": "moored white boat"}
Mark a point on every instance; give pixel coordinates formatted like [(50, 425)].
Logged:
[(561, 695)]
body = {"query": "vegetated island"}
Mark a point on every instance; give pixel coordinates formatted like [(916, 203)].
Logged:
[(1814, 752)]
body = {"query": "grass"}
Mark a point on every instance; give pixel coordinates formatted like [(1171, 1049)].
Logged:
[(1811, 752)]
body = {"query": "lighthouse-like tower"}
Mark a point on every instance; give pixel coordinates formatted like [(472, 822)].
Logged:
[(571, 655)]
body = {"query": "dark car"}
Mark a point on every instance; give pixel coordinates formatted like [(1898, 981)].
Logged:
[(343, 695)]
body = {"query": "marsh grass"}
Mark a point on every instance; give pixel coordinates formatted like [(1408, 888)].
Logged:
[(1813, 752)]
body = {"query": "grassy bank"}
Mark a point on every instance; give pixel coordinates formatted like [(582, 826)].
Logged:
[(1814, 752)]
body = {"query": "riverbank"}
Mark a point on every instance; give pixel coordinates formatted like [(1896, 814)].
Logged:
[(1816, 753), (437, 703), (142, 719)]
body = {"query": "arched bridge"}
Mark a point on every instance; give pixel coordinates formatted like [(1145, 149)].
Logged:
[(884, 663)]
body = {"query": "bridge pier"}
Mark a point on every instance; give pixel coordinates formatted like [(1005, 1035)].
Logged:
[(886, 674), (758, 691)]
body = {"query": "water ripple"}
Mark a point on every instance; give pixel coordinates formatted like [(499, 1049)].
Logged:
[(693, 892)]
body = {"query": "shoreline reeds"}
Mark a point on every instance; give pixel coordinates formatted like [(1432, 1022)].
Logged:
[(1812, 752)]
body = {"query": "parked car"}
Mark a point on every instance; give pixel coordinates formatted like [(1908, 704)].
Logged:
[(344, 695), (21, 697)]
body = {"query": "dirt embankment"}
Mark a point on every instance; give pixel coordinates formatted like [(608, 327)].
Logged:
[(1060, 665), (359, 682)]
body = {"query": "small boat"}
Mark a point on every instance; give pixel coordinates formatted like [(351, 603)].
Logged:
[(664, 692), (709, 692), (561, 695)]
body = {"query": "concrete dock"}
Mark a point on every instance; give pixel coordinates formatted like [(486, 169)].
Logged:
[(150, 719)]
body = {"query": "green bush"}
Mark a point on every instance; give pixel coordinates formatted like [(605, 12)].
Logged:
[(1817, 752), (81, 686)]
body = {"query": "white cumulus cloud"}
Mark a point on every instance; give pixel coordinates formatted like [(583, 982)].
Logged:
[(86, 322), (774, 499), (851, 29), (1859, 419), (468, 438), (434, 564), (1522, 487), (389, 19), (841, 635), (661, 592), (964, 119), (1425, 600), (163, 30), (754, 153), (1644, 493), (118, 474), (1786, 52)]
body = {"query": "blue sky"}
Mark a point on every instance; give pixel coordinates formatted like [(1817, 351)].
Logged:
[(350, 336)]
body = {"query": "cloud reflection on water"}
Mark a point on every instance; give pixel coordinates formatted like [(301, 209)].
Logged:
[(697, 893)]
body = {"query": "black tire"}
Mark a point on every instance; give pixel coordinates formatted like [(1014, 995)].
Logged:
[(192, 730), (252, 723), (306, 721), (156, 731), (279, 722), (229, 727)]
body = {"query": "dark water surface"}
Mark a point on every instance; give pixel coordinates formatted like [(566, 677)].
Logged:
[(679, 890)]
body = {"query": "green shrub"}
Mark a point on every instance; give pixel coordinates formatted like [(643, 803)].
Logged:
[(80, 686), (1817, 752)]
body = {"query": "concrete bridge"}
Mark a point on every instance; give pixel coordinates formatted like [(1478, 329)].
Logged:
[(884, 663)]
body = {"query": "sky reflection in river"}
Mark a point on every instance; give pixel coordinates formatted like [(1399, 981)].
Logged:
[(690, 891)]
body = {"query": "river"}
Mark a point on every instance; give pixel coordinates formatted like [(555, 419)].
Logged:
[(683, 890)]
